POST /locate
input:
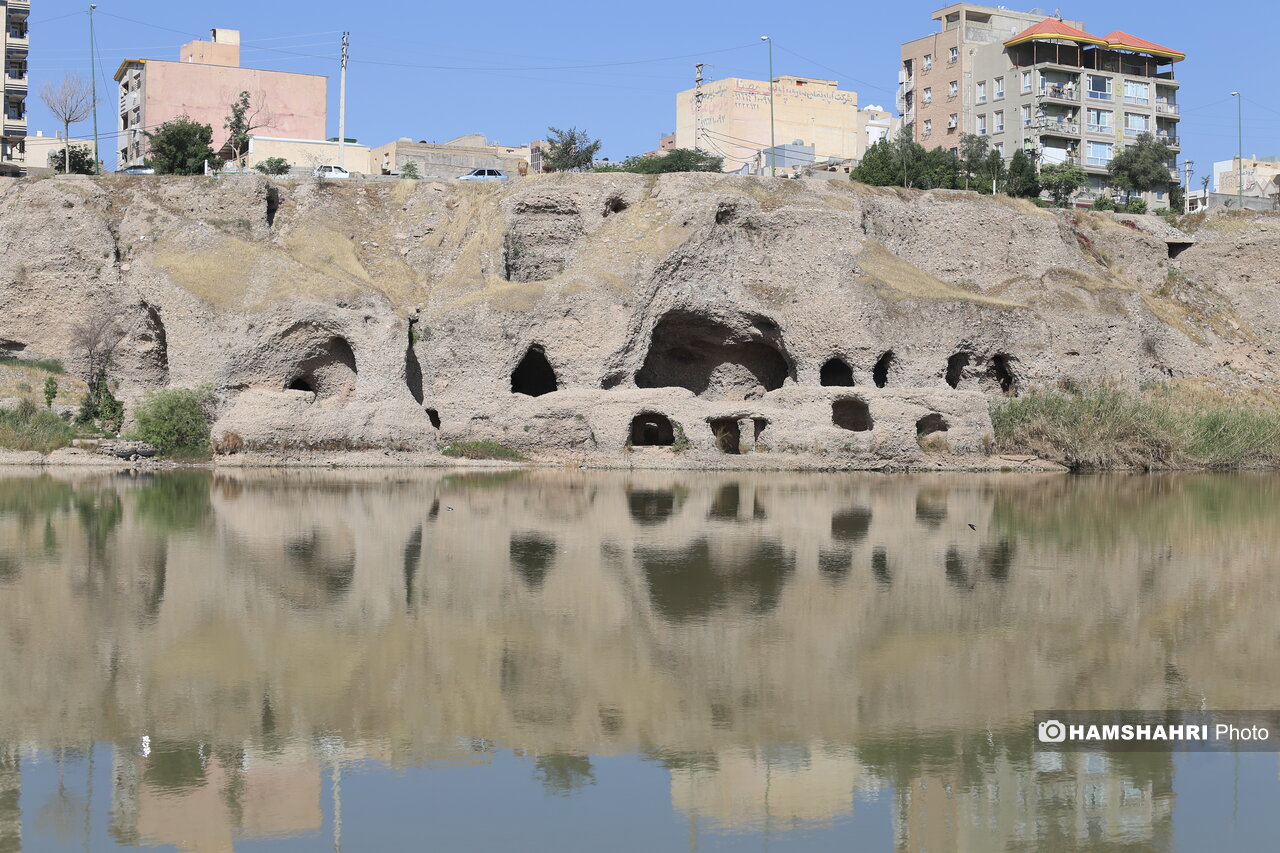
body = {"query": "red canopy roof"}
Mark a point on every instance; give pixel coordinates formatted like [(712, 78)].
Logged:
[(1052, 28), (1121, 40)]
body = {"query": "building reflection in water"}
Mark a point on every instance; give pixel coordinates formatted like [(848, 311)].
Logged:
[(781, 644)]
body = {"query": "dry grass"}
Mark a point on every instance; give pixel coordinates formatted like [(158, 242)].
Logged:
[(30, 427), (481, 450), (889, 272), (1101, 427)]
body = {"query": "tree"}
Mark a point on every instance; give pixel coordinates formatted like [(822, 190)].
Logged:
[(274, 166), (241, 124), (70, 101), (409, 171), (95, 340), (81, 160), (992, 173), (50, 392), (1177, 198), (879, 167), (1061, 180), (675, 160), (181, 146), (1022, 180), (1142, 166), (934, 169), (569, 150), (974, 151)]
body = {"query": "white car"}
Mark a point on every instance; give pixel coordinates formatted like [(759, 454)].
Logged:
[(336, 173), (483, 175)]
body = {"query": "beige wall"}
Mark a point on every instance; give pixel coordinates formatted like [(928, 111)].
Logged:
[(309, 153), (734, 120), (40, 147), (449, 159)]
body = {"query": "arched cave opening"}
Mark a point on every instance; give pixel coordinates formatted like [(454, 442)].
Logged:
[(1000, 372), (413, 367), (711, 359), (434, 416), (836, 372), (728, 435), (300, 383), (615, 204), (328, 370), (853, 415), (650, 429), (955, 368), (534, 375), (930, 424), (880, 373)]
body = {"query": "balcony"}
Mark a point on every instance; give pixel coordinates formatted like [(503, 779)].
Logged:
[(1136, 101), (1102, 129), (1100, 96), (1065, 93), (1166, 108), (1169, 139), (1165, 78), (1135, 132), (1057, 128)]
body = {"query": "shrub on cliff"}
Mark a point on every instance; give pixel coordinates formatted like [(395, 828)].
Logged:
[(181, 146), (675, 160), (175, 420), (29, 427), (274, 166)]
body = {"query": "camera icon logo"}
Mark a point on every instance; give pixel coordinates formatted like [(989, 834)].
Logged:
[(1051, 731)]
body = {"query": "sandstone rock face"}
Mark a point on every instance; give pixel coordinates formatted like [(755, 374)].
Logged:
[(625, 319)]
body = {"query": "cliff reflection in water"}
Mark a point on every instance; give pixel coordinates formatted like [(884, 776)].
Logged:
[(778, 643)]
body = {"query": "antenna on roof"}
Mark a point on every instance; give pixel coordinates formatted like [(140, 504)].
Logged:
[(1057, 13)]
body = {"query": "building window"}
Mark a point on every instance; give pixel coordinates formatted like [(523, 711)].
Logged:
[(1099, 87), (1026, 81), (928, 95), (999, 120), (954, 55), (1026, 115), (1136, 92), (1000, 149), (928, 61), (953, 120), (999, 86), (1136, 123), (1099, 121), (928, 127), (955, 152), (954, 89), (982, 125), (982, 91), (1100, 153)]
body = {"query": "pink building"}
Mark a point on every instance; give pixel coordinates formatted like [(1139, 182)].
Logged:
[(203, 84)]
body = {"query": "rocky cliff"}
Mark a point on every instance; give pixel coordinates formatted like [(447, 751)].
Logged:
[(582, 317)]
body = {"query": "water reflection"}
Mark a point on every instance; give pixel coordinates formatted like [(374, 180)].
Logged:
[(833, 654)]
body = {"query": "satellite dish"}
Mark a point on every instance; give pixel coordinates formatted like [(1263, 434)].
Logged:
[(1038, 11)]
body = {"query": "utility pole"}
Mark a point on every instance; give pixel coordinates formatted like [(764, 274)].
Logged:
[(342, 104), (773, 145), (1239, 151), (93, 79), (1186, 186), (697, 103)]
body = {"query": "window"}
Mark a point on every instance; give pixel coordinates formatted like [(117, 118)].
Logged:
[(1026, 81), (1100, 153), (954, 55), (1136, 92), (1099, 87), (928, 61), (1099, 120), (982, 90), (928, 95), (999, 120), (982, 125), (1000, 149), (928, 127), (1026, 115), (954, 89), (953, 120), (999, 85), (1136, 123)]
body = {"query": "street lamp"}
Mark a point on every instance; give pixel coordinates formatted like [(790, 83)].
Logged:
[(773, 145), (93, 79), (1239, 152)]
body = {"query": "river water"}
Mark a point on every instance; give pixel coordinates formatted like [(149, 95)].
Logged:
[(565, 660)]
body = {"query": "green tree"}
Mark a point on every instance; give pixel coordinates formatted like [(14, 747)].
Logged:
[(81, 160), (175, 420), (1143, 166), (934, 169), (1061, 180), (274, 166), (879, 166), (1177, 198), (409, 171), (993, 173), (241, 124), (1022, 180), (50, 392), (181, 146), (569, 150), (974, 151), (675, 160)]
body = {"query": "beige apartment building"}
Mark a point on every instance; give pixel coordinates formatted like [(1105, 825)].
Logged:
[(813, 121), (202, 84), (1041, 84), (13, 125)]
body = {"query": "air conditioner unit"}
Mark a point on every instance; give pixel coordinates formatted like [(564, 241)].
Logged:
[(951, 124)]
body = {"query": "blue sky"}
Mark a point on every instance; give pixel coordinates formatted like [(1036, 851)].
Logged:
[(524, 48)]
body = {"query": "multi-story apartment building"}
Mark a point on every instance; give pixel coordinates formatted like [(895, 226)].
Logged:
[(202, 85), (13, 124), (1041, 84)]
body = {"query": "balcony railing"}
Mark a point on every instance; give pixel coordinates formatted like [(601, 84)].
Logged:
[(1059, 93), (1169, 139), (1136, 131), (1134, 99), (1100, 96), (1166, 108), (1104, 129), (1101, 162), (1065, 128)]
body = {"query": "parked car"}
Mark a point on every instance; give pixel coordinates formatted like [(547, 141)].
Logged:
[(483, 175), (336, 173), (137, 170)]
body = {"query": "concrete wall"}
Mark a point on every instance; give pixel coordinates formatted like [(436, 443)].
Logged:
[(450, 159), (309, 153), (40, 147)]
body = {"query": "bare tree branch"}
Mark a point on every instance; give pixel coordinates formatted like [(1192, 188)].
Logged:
[(95, 339), (70, 101)]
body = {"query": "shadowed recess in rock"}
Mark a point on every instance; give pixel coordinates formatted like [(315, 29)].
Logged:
[(328, 370), (836, 372), (413, 370), (693, 351), (727, 434), (692, 583), (853, 415), (650, 429), (880, 373), (930, 424), (534, 375), (532, 558), (955, 368), (1000, 374)]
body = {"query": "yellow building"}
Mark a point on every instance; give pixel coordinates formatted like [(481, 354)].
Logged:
[(813, 121)]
